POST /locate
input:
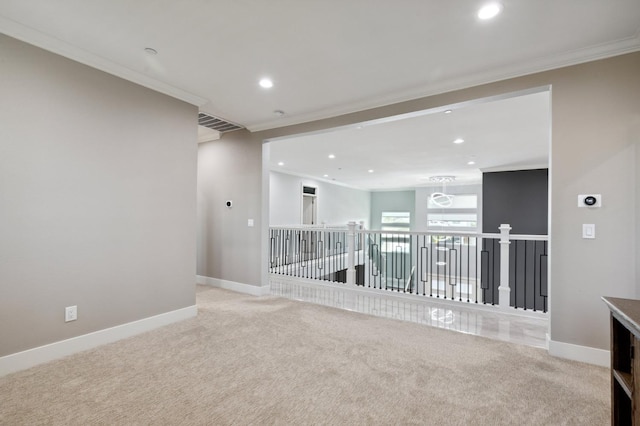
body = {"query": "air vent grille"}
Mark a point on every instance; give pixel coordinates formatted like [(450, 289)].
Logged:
[(216, 123)]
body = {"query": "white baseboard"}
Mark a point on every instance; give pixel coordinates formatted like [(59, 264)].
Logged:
[(234, 286), (586, 354), (32, 357)]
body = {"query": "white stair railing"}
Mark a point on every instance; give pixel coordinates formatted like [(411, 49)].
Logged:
[(452, 266)]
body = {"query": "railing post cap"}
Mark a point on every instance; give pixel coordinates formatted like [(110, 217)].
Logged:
[(504, 226)]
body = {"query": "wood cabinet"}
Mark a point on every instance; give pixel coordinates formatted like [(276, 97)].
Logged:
[(625, 360)]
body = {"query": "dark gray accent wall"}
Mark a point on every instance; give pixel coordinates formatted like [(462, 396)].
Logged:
[(519, 198)]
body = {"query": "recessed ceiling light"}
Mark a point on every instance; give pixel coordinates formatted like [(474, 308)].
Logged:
[(458, 141), (332, 156), (471, 163), (150, 51), (280, 163), (489, 11), (266, 83), (448, 111), (370, 170), (325, 175)]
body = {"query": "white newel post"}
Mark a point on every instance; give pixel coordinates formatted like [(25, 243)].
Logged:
[(504, 292), (351, 259)]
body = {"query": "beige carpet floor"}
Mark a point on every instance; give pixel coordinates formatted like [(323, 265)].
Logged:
[(255, 361)]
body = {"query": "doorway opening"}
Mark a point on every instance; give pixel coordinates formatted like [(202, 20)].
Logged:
[(309, 205)]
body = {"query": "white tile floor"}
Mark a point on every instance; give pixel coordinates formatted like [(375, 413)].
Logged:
[(519, 327)]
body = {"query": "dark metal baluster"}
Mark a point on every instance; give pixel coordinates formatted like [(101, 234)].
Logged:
[(382, 262), (525, 276), (515, 273), (535, 275), (484, 270), (293, 248), (403, 262), (321, 265), (425, 266), (453, 260), (271, 246), (468, 267), (433, 264), (546, 272), (438, 268), (390, 253), (477, 248), (496, 259), (304, 245), (398, 264)]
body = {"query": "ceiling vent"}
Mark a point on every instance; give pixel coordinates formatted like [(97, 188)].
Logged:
[(216, 123)]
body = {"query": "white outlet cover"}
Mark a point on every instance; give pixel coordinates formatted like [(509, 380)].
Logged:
[(70, 313)]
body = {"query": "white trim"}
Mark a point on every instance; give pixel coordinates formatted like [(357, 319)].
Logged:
[(586, 354), (519, 69), (234, 286), (32, 357)]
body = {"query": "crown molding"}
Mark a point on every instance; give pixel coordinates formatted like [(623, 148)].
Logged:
[(575, 57), (547, 63), (59, 47)]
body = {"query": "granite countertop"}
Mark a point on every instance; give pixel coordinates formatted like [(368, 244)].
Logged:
[(626, 310)]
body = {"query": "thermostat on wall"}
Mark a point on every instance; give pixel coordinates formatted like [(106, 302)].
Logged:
[(590, 200)]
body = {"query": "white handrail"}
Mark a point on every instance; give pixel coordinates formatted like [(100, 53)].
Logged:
[(513, 237), (421, 233)]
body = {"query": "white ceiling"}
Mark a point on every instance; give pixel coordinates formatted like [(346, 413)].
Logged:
[(405, 151), (332, 57), (325, 57)]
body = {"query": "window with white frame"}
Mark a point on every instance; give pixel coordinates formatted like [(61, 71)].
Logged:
[(395, 221), (455, 212), (391, 223)]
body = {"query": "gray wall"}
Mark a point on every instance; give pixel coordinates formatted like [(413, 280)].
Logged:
[(519, 198), (596, 127), (97, 199), (230, 169), (336, 204), (392, 201)]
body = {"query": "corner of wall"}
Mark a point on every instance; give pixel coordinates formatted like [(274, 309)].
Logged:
[(586, 354), (253, 290)]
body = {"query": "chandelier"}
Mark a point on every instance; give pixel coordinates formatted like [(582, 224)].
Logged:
[(442, 199)]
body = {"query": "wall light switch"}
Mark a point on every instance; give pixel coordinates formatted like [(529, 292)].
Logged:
[(588, 230), (250, 223)]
